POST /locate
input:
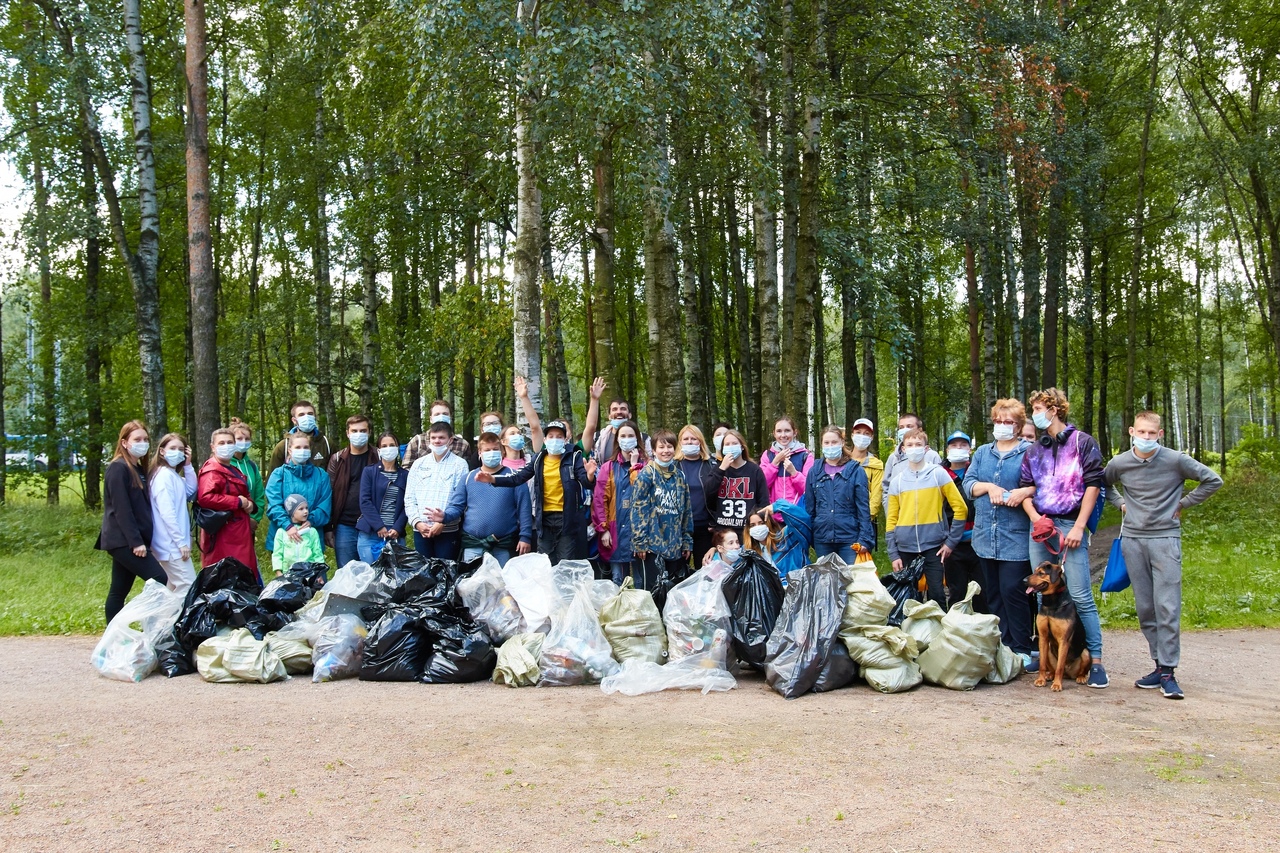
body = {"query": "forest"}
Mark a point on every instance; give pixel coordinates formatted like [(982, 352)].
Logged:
[(729, 210)]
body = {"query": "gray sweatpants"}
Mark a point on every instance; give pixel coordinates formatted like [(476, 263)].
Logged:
[(1155, 570)]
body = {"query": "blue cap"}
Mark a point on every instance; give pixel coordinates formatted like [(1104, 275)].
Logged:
[(958, 434)]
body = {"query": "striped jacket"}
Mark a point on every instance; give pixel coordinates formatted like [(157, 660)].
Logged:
[(916, 521)]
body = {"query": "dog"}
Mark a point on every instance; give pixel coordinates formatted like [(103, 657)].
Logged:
[(1061, 632)]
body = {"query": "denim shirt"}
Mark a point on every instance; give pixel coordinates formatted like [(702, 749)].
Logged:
[(999, 532)]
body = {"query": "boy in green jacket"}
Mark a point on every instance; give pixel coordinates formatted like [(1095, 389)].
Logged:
[(308, 549)]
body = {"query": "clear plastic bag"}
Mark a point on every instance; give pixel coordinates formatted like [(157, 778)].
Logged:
[(491, 604), (701, 671), (964, 651), (128, 654), (237, 656), (923, 620), (354, 580), (886, 656), (868, 603), (601, 591), (576, 651), (530, 580), (633, 626), (694, 612), (338, 647), (518, 660)]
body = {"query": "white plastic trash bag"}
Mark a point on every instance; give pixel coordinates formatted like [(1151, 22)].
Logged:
[(338, 647), (886, 655), (518, 660), (923, 621), (868, 603), (491, 604), (128, 654), (694, 612), (237, 656), (576, 651), (353, 580), (530, 581), (701, 671), (965, 649), (601, 592)]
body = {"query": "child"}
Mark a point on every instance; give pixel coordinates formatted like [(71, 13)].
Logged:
[(286, 551), (661, 519), (780, 533), (917, 526)]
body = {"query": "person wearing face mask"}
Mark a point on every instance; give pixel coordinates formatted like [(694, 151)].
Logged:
[(601, 441), (494, 521), (127, 521), (420, 445), (346, 468), (916, 526), (173, 485), (382, 487), (1065, 468), (245, 465), (431, 482), (297, 476), (562, 479), (222, 488), (837, 500), (513, 445), (703, 477), (717, 439), (780, 533), (906, 422), (661, 520), (742, 488), (862, 452), (1146, 485), (1001, 529), (611, 504), (787, 463), (963, 566), (727, 554), (303, 416)]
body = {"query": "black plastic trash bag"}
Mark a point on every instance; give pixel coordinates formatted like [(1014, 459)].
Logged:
[(754, 593), (839, 670), (461, 654), (904, 586), (395, 650), (171, 658), (227, 573), (218, 592), (807, 631), (663, 584), (292, 590)]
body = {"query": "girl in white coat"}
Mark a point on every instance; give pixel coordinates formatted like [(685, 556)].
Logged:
[(173, 485)]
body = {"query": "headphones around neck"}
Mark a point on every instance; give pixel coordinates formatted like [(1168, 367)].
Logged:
[(1047, 440)]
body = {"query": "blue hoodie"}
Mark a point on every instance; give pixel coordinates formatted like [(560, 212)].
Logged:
[(310, 481)]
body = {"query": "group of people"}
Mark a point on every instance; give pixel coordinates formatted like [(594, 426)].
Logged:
[(644, 505)]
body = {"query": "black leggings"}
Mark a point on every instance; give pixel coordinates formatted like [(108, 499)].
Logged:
[(125, 569)]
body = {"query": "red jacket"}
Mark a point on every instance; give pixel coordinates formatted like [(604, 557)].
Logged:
[(220, 488)]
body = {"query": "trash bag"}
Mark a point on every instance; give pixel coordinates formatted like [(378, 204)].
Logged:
[(886, 656), (356, 580), (753, 591), (904, 586), (965, 649), (1008, 666), (396, 648), (294, 653), (923, 621), (238, 656), (220, 596), (601, 591), (530, 581), (694, 611), (128, 654), (292, 590), (576, 651), (338, 648), (569, 575), (517, 664), (699, 671), (404, 574), (839, 670), (633, 626), (459, 655), (869, 603), (663, 585), (808, 627), (485, 595), (172, 658)]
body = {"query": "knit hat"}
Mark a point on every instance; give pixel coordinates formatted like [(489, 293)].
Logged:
[(293, 502)]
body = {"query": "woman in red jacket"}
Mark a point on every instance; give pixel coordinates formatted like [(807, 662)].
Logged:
[(223, 487)]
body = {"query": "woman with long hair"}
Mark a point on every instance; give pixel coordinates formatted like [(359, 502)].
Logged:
[(742, 487), (128, 523), (703, 477), (611, 506)]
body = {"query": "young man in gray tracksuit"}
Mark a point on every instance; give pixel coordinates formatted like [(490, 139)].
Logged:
[(1150, 480)]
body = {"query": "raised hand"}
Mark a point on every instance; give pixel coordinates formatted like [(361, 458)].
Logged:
[(597, 388), (522, 387)]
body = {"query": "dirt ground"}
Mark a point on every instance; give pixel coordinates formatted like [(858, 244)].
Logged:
[(92, 764)]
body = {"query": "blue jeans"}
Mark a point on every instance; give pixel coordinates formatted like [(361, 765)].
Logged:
[(1075, 566), (370, 545), (345, 543), (499, 554), (845, 552), (620, 571)]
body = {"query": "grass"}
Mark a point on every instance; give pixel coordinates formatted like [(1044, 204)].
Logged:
[(53, 582)]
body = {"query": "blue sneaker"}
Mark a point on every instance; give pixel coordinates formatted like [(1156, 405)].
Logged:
[(1032, 662), (1098, 676), (1169, 688), (1150, 681)]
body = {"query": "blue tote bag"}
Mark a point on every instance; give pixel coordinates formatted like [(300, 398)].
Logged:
[(1116, 576)]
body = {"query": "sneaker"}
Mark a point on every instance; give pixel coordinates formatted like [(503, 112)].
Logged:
[(1150, 681), (1169, 688), (1026, 662), (1031, 662), (1098, 676)]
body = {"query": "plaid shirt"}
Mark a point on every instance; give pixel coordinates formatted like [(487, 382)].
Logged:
[(431, 482), (420, 446)]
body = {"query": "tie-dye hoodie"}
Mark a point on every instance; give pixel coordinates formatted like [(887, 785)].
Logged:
[(1062, 471)]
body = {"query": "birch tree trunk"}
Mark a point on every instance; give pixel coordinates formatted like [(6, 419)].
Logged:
[(695, 333), (765, 226), (370, 350), (666, 391), (527, 339), (92, 336), (321, 272), (604, 342)]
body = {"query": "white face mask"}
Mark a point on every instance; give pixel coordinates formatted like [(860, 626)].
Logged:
[(175, 457), (691, 450), (718, 441), (492, 428), (307, 423), (862, 442), (243, 446), (300, 456), (359, 439), (915, 454), (760, 532), (139, 448), (439, 450), (388, 454), (733, 451), (626, 445), (555, 446), (443, 417), (1002, 432), (957, 457), (223, 451)]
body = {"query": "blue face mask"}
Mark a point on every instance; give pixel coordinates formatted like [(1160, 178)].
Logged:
[(243, 446), (175, 457), (492, 429), (1041, 420), (491, 458), (555, 446), (901, 434), (733, 451), (300, 456), (516, 442), (1145, 445), (617, 422), (307, 423), (731, 555), (626, 445), (442, 419), (832, 453), (666, 464), (359, 439)]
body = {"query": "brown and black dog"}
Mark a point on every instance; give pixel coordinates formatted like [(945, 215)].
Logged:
[(1061, 632)]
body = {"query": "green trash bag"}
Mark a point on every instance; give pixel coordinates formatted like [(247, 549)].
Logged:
[(923, 620), (868, 602), (1008, 666), (294, 652), (965, 649), (887, 656), (633, 625), (237, 656), (518, 661)]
